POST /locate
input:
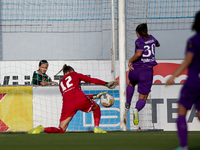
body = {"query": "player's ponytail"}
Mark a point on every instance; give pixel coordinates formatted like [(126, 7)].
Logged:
[(61, 70), (65, 69), (142, 30)]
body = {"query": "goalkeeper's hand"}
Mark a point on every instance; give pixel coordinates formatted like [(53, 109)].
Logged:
[(96, 96), (111, 85)]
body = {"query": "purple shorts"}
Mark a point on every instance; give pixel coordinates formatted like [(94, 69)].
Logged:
[(143, 76), (190, 95)]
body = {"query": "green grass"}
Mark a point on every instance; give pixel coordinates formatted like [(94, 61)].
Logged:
[(89, 141)]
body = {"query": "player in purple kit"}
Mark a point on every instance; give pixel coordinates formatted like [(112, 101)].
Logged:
[(190, 93), (141, 69)]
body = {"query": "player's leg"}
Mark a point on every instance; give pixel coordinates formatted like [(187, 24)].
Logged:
[(97, 117), (88, 105), (144, 86), (129, 94), (62, 127), (141, 102), (68, 111), (53, 130), (189, 95), (133, 79), (64, 124), (182, 127), (182, 124), (139, 106), (145, 80)]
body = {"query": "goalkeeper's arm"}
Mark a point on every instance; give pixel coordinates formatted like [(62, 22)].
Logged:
[(96, 96), (111, 85)]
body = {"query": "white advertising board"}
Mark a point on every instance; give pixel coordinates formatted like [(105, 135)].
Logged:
[(160, 111)]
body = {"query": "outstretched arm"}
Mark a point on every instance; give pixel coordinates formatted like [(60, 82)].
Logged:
[(187, 61), (110, 85), (91, 80), (96, 96)]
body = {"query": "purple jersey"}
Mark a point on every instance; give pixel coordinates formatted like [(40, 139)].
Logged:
[(193, 46), (190, 92), (148, 48)]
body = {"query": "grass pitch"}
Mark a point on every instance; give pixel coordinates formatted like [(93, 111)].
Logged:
[(115, 140)]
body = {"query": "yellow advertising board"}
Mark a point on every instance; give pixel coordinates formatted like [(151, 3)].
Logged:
[(16, 108)]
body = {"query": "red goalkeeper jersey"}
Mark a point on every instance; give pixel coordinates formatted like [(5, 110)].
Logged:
[(70, 84)]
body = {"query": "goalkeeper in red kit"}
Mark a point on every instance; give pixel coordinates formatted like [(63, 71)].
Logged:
[(74, 99)]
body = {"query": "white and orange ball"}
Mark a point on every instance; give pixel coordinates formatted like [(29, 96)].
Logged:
[(107, 100)]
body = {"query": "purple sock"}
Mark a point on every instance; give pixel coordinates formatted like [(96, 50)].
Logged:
[(182, 130), (129, 94), (140, 104)]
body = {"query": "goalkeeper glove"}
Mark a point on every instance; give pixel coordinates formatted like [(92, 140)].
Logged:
[(96, 96), (111, 85)]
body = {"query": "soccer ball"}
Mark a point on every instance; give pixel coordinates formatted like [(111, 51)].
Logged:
[(107, 100)]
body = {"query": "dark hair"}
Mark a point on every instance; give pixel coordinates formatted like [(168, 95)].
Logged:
[(196, 25), (67, 69), (142, 30), (43, 62)]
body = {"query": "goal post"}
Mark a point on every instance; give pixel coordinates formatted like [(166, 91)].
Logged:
[(113, 39), (122, 63)]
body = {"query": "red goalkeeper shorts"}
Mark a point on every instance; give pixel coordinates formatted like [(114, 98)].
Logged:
[(71, 106)]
